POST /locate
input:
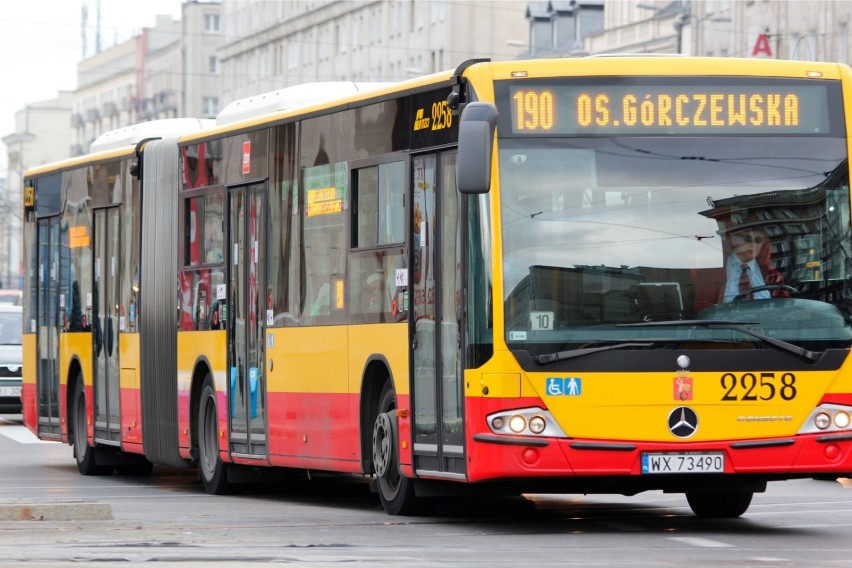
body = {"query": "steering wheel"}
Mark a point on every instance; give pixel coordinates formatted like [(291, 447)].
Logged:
[(750, 291)]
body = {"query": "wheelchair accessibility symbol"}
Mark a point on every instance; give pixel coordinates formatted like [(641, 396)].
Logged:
[(568, 386)]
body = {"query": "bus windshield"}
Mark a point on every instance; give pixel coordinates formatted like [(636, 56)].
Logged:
[(601, 231)]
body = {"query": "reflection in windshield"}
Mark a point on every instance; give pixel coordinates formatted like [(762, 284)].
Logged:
[(599, 232)]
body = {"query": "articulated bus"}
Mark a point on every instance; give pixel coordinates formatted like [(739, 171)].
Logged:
[(596, 275)]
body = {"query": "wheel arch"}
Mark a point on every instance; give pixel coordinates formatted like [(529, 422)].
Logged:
[(200, 372), (377, 371)]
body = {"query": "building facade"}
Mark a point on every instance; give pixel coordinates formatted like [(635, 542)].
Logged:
[(280, 43), (805, 30), (166, 71), (36, 141)]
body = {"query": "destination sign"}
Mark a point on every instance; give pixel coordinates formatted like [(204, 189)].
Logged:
[(646, 108)]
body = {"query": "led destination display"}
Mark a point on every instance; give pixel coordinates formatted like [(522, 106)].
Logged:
[(647, 109)]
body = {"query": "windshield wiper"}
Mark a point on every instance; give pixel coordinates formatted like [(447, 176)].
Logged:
[(574, 353), (733, 325)]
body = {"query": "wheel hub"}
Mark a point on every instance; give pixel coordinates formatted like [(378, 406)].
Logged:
[(382, 448)]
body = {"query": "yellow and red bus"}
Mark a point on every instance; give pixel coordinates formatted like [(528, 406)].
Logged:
[(598, 275)]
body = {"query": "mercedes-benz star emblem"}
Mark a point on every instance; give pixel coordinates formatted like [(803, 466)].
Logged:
[(683, 422), (683, 361)]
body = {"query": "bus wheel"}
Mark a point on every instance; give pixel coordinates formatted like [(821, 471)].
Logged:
[(214, 472), (83, 452), (719, 505), (395, 491)]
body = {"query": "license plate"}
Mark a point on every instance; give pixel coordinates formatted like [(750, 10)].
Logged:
[(10, 391), (688, 462)]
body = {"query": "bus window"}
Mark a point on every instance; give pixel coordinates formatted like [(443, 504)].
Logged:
[(205, 230), (380, 215), (324, 239), (373, 292), (283, 261)]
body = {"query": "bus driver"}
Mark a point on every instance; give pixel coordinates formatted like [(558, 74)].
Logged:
[(746, 267)]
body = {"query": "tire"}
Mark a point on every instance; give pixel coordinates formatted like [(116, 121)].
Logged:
[(396, 492), (83, 452), (213, 471), (719, 505)]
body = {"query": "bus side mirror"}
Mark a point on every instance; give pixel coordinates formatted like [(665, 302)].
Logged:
[(476, 140)]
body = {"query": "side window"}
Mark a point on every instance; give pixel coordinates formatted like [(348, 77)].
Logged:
[(205, 230), (367, 214), (324, 222), (203, 277), (77, 218), (283, 262), (380, 194), (377, 262), (131, 255)]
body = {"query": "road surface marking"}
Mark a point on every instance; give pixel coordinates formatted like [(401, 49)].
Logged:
[(702, 542), (19, 433)]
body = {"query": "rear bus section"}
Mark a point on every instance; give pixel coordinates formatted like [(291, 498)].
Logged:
[(86, 346)]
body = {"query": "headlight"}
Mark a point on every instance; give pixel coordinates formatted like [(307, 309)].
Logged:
[(828, 417), (537, 424), (517, 423), (531, 421)]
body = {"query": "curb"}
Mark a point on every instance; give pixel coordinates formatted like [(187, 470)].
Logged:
[(56, 512)]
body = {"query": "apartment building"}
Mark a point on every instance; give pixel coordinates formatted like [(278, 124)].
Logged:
[(807, 30), (166, 71), (277, 43), (36, 140)]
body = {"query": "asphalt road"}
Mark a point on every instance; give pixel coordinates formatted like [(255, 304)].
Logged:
[(52, 516)]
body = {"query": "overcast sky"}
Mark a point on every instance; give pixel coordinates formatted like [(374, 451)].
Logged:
[(41, 43)]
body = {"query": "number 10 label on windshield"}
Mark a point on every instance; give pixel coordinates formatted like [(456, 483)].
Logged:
[(541, 321)]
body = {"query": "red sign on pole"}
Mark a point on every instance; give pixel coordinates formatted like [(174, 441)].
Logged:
[(246, 157)]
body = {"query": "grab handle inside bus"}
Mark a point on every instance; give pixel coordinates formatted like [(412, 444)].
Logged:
[(476, 138)]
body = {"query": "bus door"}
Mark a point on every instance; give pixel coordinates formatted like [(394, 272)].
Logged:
[(247, 304), (47, 328), (105, 287), (437, 296)]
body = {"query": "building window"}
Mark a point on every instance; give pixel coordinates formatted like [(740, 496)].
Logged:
[(263, 62), (841, 45), (210, 106), (213, 64), (293, 56), (356, 32), (378, 30), (395, 19), (211, 23), (324, 42), (437, 10), (342, 38)]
